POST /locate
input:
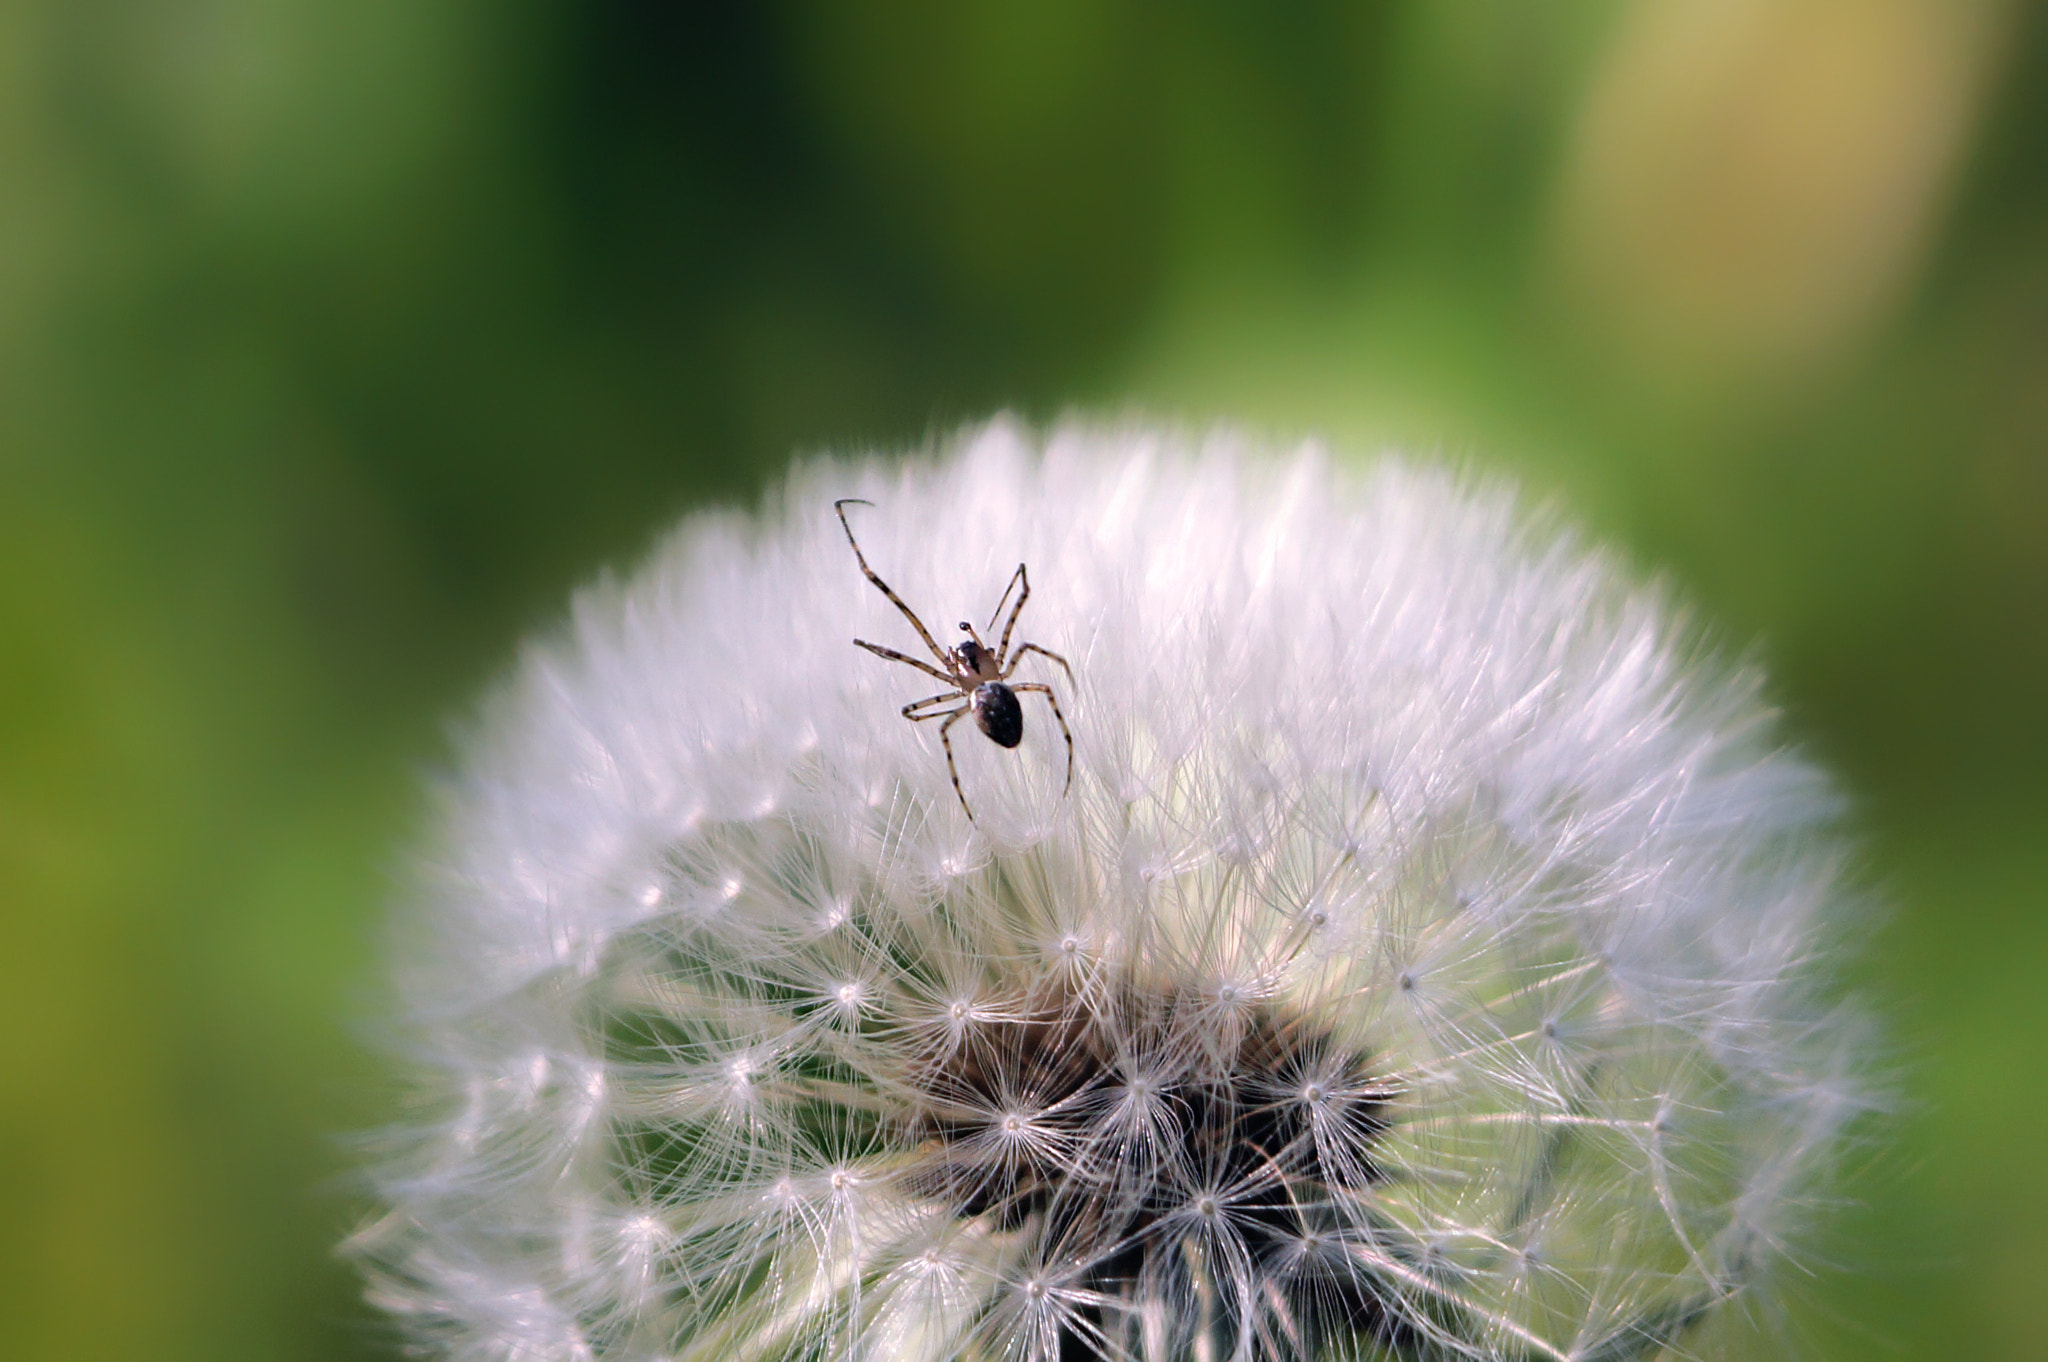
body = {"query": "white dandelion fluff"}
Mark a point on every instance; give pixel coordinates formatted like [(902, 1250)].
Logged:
[(1426, 961)]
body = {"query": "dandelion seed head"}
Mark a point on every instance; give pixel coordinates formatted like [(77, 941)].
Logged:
[(1429, 958)]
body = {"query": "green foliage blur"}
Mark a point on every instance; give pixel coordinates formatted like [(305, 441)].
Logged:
[(340, 341)]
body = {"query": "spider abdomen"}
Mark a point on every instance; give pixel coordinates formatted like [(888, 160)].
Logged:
[(997, 712)]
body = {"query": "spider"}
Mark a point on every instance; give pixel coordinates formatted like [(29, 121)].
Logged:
[(976, 677)]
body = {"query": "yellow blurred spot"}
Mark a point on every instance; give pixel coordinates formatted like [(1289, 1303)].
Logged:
[(1751, 181)]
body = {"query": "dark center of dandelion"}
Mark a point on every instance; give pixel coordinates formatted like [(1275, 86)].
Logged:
[(1218, 1167)]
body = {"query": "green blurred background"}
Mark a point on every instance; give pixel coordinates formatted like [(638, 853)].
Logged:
[(340, 339)]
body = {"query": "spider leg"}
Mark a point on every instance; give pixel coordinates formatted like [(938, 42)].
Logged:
[(882, 586), (1041, 688), (1018, 578), (890, 653), (929, 700), (1024, 648), (946, 741)]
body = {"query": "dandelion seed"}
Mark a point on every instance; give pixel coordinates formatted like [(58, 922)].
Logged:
[(1417, 954)]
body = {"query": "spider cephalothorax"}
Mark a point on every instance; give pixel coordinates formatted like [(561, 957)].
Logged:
[(978, 677)]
